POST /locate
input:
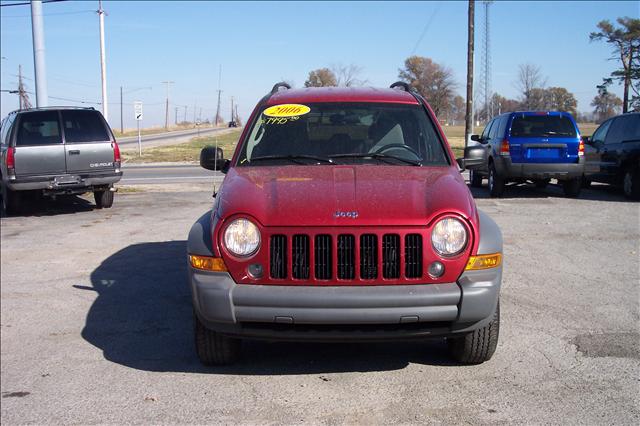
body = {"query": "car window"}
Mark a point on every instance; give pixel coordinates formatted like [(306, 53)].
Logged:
[(38, 128), (624, 128), (487, 130), (495, 128), (344, 131), (5, 131), (601, 132), (502, 126), (538, 126), (83, 126)]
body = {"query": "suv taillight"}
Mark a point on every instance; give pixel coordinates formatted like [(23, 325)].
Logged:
[(116, 155), (581, 147), (504, 147), (11, 162)]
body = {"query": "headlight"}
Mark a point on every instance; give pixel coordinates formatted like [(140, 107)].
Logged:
[(242, 237), (449, 237)]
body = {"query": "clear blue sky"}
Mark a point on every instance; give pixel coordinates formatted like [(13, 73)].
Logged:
[(259, 43)]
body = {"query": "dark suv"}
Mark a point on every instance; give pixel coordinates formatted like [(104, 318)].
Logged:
[(57, 150), (531, 145), (612, 154), (343, 216)]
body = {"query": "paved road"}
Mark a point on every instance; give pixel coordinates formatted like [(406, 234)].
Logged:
[(96, 327), (169, 138), (167, 174)]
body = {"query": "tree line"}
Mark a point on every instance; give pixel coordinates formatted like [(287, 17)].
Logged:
[(436, 82)]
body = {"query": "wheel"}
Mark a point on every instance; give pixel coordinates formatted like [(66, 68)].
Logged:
[(475, 178), (214, 348), (104, 199), (496, 182), (572, 187), (479, 345), (11, 201), (541, 183), (631, 184)]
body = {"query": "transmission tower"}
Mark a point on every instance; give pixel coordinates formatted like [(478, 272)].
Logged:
[(484, 88)]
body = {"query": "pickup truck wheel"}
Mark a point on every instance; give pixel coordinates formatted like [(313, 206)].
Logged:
[(475, 179), (104, 199), (572, 187), (541, 183), (11, 201), (214, 348), (631, 184), (496, 182), (479, 345)]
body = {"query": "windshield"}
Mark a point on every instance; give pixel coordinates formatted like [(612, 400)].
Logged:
[(343, 133), (538, 126)]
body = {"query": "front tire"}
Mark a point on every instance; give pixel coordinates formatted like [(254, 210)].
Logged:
[(496, 182), (572, 187), (104, 199), (631, 184), (214, 348), (479, 345), (475, 179)]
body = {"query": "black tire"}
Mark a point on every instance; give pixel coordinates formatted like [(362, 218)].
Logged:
[(11, 202), (541, 183), (496, 182), (631, 183), (104, 199), (475, 179), (572, 187), (479, 345), (214, 348)]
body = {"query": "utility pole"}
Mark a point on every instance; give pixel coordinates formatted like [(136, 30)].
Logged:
[(166, 110), (37, 29), (232, 108), (484, 89), (194, 113), (103, 63), (468, 119), (176, 116), (185, 113), (219, 92), (121, 114), (23, 97)]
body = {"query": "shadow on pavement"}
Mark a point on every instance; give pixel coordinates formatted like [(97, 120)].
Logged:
[(597, 192), (35, 205), (142, 318)]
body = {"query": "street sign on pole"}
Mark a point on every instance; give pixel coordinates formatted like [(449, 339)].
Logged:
[(137, 106)]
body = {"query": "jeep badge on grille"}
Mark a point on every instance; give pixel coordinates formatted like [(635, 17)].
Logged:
[(352, 214)]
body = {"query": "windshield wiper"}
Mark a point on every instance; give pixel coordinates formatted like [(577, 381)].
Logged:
[(378, 156), (557, 133), (294, 158)]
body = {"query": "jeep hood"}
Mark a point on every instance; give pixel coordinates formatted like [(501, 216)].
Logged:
[(367, 195)]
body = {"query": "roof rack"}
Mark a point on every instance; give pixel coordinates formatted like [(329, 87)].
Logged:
[(277, 86), (405, 86), (51, 107)]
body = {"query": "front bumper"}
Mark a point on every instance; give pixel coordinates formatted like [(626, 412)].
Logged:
[(64, 183), (344, 313), (561, 171)]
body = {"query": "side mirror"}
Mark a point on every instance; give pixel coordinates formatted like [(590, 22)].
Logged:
[(476, 138), (212, 159), (475, 157), (587, 140)]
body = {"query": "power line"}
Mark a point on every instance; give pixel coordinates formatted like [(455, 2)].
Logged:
[(77, 12), (28, 3), (426, 27)]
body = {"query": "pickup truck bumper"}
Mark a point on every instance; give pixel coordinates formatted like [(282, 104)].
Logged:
[(561, 171), (64, 183), (344, 313)]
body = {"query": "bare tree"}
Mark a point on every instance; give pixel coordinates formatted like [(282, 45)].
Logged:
[(322, 77), (348, 75), (433, 81), (626, 47), (529, 78)]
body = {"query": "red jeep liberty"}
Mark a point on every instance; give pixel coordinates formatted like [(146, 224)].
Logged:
[(343, 216)]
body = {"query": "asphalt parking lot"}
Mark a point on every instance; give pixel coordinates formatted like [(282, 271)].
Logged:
[(96, 326)]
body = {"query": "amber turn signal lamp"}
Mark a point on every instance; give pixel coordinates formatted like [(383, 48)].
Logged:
[(484, 261), (207, 263)]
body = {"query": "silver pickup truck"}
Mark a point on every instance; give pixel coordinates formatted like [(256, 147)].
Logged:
[(57, 150)]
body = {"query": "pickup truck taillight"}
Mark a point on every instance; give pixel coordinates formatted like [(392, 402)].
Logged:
[(116, 155), (11, 162), (504, 147), (581, 147)]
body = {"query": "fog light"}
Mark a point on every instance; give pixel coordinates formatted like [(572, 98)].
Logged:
[(255, 270), (436, 269)]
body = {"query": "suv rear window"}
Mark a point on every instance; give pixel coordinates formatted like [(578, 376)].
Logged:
[(539, 126), (346, 132), (84, 126), (39, 128)]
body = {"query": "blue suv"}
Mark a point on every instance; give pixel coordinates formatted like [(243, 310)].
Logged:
[(531, 145)]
